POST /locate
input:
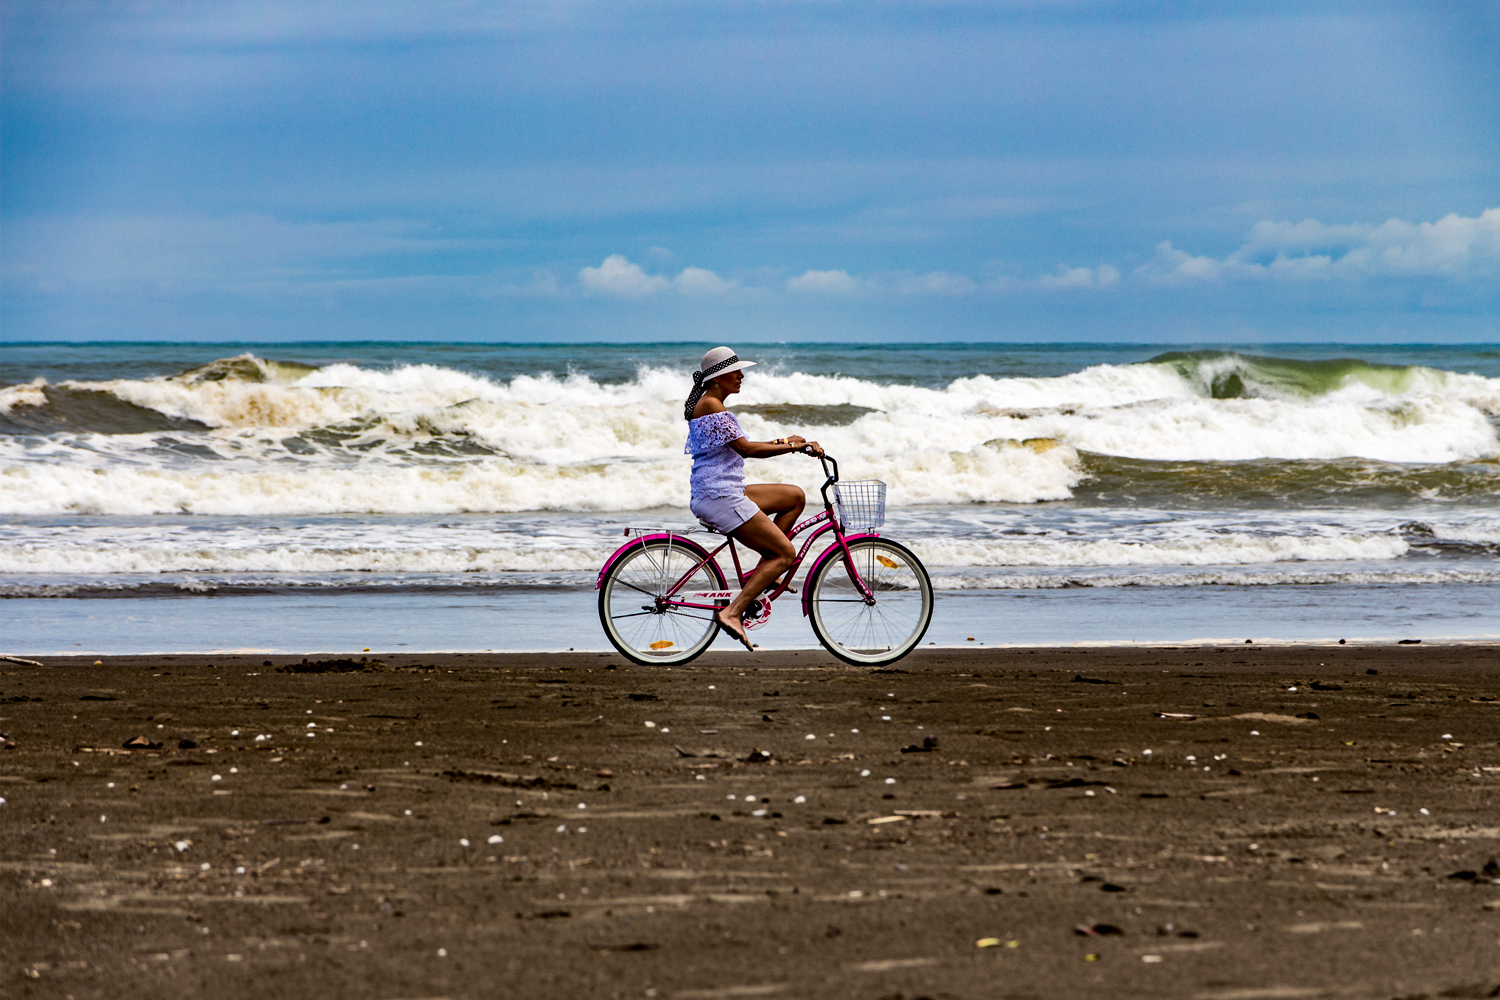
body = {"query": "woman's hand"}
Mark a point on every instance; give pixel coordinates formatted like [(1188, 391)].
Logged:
[(800, 443)]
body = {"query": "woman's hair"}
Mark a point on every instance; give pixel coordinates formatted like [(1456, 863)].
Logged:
[(700, 384)]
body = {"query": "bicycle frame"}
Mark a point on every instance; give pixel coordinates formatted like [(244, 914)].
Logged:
[(819, 524)]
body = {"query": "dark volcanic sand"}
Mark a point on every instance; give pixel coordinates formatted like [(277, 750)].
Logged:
[(1296, 865)]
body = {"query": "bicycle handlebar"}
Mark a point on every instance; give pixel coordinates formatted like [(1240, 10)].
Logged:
[(829, 477)]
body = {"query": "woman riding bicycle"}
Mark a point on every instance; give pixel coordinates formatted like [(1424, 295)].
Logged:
[(720, 498)]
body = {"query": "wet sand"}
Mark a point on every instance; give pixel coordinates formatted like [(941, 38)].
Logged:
[(569, 825)]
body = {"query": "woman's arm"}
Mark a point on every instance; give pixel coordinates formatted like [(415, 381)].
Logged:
[(770, 449)]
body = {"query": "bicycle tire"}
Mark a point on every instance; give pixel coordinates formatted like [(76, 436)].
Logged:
[(635, 620), (865, 634)]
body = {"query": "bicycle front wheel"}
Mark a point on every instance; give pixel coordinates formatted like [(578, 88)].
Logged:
[(634, 601), (871, 633)]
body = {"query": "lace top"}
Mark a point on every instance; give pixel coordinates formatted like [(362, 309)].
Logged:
[(718, 470)]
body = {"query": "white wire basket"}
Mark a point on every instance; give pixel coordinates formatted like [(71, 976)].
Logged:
[(861, 504)]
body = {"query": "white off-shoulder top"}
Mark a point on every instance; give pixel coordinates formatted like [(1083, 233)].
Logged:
[(718, 470)]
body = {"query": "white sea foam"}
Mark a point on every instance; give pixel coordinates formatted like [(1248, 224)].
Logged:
[(1209, 550), (485, 546), (76, 560), (427, 439), (1220, 578), (1004, 471)]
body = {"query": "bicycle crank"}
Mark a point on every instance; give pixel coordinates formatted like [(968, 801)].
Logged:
[(757, 614)]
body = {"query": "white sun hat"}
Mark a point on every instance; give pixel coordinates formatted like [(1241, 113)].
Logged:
[(720, 361)]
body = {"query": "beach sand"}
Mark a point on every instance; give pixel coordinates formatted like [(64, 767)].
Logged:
[(570, 825)]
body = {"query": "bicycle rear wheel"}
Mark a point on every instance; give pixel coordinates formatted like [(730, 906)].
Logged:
[(888, 629), (634, 608)]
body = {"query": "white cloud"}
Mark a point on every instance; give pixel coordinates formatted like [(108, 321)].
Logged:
[(618, 276), (700, 281), (1103, 276), (1455, 247), (824, 282)]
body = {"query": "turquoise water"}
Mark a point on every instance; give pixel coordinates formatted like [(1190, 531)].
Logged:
[(920, 364)]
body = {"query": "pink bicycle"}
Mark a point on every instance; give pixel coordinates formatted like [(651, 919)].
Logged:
[(869, 599)]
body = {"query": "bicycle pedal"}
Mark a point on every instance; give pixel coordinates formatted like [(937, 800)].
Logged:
[(756, 615)]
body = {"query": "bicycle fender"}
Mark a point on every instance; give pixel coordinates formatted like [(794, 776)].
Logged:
[(609, 563), (832, 552)]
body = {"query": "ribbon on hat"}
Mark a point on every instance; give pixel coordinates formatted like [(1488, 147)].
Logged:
[(700, 384)]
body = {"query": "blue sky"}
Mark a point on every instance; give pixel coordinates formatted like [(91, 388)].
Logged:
[(906, 171)]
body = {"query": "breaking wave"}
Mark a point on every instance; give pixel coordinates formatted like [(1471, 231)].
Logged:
[(246, 435)]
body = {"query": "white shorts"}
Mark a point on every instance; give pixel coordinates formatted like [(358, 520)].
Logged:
[(724, 514)]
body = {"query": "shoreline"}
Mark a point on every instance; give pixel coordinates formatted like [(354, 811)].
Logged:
[(770, 657), (540, 621), (1479, 642), (1479, 659)]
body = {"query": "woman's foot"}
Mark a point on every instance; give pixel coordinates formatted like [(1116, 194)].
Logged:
[(734, 627)]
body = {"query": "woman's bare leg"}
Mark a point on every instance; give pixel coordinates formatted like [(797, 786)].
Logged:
[(761, 534), (782, 502)]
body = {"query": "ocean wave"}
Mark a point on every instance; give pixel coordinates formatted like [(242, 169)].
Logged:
[(225, 584), (165, 558), (1230, 375), (247, 435), (1204, 550), (1000, 471), (480, 549), (1219, 578), (1275, 482)]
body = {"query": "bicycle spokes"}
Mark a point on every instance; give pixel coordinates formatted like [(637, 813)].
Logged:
[(645, 597), (878, 616)]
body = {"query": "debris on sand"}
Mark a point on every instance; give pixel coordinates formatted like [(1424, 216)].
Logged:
[(316, 821), (1286, 720), (508, 780), (1096, 930), (1489, 872), (341, 666), (140, 743)]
